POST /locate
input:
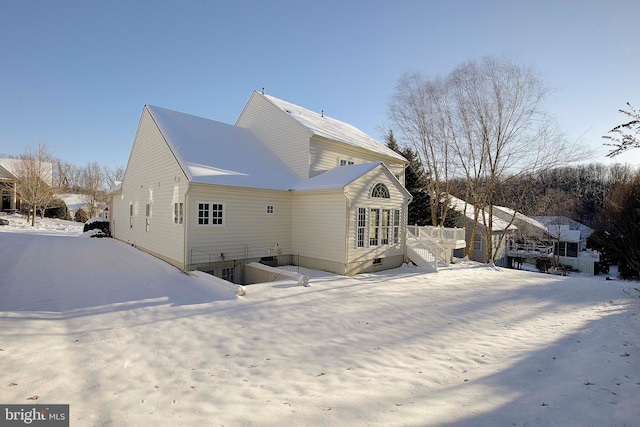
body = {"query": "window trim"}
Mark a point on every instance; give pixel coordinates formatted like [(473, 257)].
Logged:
[(178, 213), (345, 162), (271, 210), (361, 227)]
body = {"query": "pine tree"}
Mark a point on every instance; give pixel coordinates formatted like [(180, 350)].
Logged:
[(415, 182)]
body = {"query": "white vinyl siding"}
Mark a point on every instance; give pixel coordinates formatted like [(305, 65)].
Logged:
[(245, 224), (287, 139), (325, 155), (152, 177), (319, 225)]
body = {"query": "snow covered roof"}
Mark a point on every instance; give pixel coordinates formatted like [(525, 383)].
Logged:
[(336, 178), (521, 217), (13, 166), (73, 201), (333, 129), (565, 229), (498, 224), (212, 152)]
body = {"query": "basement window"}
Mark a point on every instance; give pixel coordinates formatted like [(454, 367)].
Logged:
[(377, 261)]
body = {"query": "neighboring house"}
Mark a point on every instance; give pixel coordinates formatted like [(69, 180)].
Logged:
[(284, 184), (8, 185), (479, 246), (10, 179), (569, 240), (557, 236), (73, 202)]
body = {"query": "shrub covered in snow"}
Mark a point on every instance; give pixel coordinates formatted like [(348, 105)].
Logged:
[(98, 227)]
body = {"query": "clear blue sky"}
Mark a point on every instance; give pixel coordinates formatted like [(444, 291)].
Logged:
[(76, 74)]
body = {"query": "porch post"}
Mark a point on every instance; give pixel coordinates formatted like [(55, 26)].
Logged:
[(14, 196)]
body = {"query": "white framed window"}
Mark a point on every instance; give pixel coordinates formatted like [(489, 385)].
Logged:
[(374, 226), (270, 210), (361, 226), (210, 213), (377, 261), (203, 213), (345, 162), (396, 226), (178, 213), (380, 191), (384, 226), (477, 242)]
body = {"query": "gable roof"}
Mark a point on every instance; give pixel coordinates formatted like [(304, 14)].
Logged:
[(212, 152), (5, 174), (333, 129), (10, 168)]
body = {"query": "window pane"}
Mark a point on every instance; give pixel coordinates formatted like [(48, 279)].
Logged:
[(361, 226), (374, 224), (396, 226), (384, 229)]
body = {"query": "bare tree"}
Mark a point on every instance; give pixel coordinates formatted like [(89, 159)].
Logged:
[(66, 176), (489, 115), (419, 109), (504, 134), (113, 175), (626, 135), (34, 170), (93, 185)]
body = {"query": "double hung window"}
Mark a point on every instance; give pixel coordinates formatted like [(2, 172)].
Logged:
[(178, 212)]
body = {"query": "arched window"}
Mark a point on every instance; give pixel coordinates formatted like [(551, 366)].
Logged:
[(380, 191)]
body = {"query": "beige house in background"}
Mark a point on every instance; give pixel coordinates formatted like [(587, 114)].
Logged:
[(282, 185)]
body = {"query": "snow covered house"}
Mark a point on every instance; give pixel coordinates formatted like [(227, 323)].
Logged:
[(282, 185), (8, 184), (11, 173), (479, 247), (551, 236)]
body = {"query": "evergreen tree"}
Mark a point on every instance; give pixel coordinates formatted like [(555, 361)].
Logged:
[(415, 182)]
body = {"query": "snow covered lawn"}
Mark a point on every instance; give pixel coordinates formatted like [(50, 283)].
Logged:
[(127, 340)]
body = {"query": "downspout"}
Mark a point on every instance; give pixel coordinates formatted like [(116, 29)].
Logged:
[(185, 227)]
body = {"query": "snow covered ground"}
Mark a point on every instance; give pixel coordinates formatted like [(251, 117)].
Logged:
[(127, 340)]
